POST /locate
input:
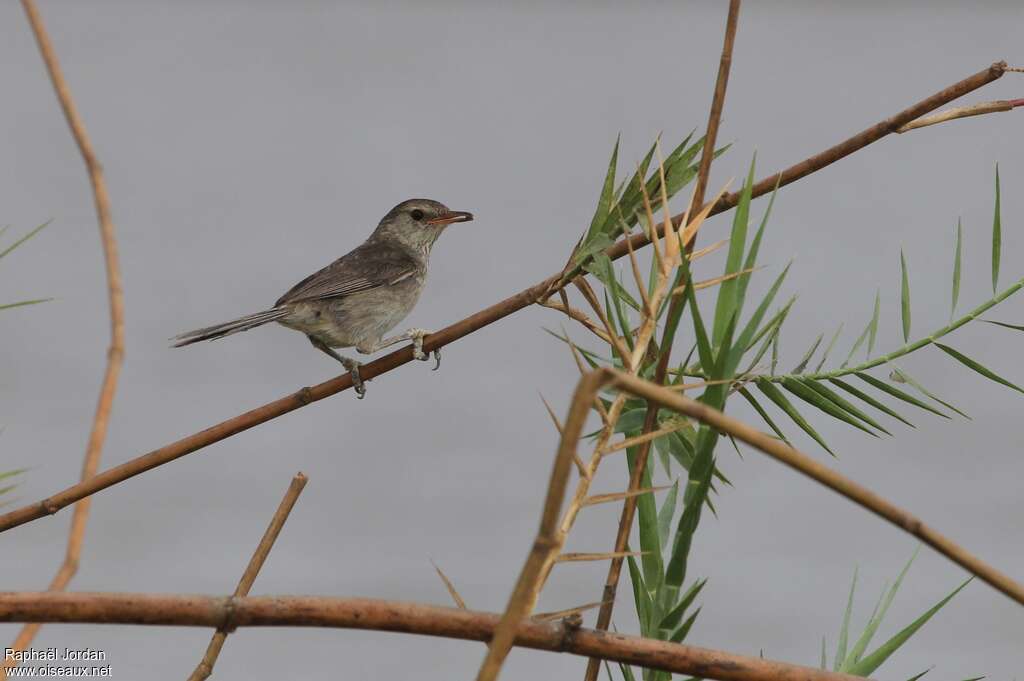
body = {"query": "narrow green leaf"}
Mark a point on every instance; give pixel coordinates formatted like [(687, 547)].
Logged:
[(681, 633), (775, 395), (815, 399), (856, 346), (917, 676), (22, 303), (746, 337), (876, 619), (607, 196), (898, 394), (777, 319), (647, 519), (799, 369), (956, 266), (873, 661), (844, 630), (904, 377), (971, 364), (904, 298), (824, 655), (667, 512), (704, 349), (828, 349), (874, 324), (23, 239), (641, 596), (694, 499), (675, 615), (764, 415), (842, 403), (1008, 326), (869, 399), (10, 474), (775, 353), (755, 247), (997, 237), (726, 304)]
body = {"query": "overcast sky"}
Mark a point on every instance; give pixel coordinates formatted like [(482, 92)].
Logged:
[(248, 144)]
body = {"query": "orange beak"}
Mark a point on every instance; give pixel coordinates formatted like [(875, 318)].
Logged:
[(450, 217)]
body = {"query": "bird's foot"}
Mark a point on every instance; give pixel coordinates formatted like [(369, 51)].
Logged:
[(357, 381), (417, 347)]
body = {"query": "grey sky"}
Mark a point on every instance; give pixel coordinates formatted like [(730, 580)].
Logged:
[(248, 144)]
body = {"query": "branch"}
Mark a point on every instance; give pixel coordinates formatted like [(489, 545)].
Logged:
[(803, 463), (395, 616), (604, 616), (466, 326), (115, 352), (205, 667)]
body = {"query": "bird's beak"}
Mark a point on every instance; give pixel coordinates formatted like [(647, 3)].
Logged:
[(450, 217)]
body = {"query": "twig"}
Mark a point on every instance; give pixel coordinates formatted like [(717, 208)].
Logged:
[(805, 464), (396, 616), (962, 112), (205, 667), (115, 352), (604, 616), (470, 324), (549, 540)]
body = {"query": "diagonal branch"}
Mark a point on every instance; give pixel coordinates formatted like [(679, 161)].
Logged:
[(400, 617), (205, 666), (115, 352), (470, 324), (604, 616)]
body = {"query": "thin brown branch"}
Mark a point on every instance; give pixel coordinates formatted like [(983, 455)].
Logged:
[(807, 465), (470, 324), (639, 467), (399, 617), (115, 351), (205, 666), (549, 540)]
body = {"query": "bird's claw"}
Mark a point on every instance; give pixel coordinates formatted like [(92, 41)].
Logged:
[(357, 380), (437, 357), (417, 344)]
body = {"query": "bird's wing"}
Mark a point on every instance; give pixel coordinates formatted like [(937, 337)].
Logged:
[(361, 270)]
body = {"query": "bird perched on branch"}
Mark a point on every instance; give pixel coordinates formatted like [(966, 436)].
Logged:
[(362, 295)]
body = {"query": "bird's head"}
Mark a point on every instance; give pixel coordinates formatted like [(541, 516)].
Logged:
[(417, 223)]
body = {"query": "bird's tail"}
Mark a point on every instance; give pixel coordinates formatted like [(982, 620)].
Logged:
[(227, 328)]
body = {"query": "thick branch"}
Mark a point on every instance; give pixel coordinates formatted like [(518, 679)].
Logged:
[(395, 616), (115, 352), (464, 327)]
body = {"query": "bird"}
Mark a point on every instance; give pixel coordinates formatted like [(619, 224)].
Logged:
[(362, 295)]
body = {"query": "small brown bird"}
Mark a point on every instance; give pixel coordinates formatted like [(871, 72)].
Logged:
[(362, 295)]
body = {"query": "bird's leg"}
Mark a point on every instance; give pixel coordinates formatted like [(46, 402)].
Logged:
[(416, 336), (350, 364)]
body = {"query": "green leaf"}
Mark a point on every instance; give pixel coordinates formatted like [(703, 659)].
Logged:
[(1008, 326), (828, 349), (747, 337), (917, 676), (815, 399), (876, 619), (844, 630), (956, 266), (23, 239), (775, 353), (997, 237), (842, 403), (764, 415), (682, 631), (824, 655), (604, 202), (775, 395), (904, 377), (870, 400), (667, 512), (799, 369), (641, 596), (755, 247), (971, 364), (627, 672), (898, 394), (727, 303), (704, 350), (874, 324), (673, 617), (22, 303), (870, 663), (904, 298), (693, 500), (647, 518)]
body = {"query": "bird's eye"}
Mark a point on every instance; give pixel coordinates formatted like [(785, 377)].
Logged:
[(416, 214)]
